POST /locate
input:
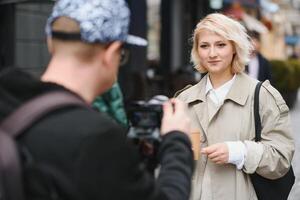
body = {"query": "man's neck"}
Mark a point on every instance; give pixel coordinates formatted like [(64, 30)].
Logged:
[(73, 76)]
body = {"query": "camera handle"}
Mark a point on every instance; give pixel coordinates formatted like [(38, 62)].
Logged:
[(148, 140)]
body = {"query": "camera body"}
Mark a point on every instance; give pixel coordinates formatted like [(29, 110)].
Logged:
[(145, 120)]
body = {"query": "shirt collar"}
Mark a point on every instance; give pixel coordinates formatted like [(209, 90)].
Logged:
[(209, 86), (225, 87), (238, 93)]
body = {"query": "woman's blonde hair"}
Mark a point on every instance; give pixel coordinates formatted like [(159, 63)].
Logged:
[(231, 30)]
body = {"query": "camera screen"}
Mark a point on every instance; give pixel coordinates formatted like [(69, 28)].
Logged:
[(145, 119)]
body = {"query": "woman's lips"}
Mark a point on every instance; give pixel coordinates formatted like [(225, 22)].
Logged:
[(214, 61)]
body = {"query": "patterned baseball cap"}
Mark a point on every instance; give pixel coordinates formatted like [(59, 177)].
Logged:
[(101, 21)]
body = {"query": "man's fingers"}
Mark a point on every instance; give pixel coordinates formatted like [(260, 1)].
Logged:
[(178, 105), (175, 117), (168, 109)]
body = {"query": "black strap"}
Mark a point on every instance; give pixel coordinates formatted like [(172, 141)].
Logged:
[(14, 125), (66, 36), (36, 108), (11, 186), (256, 113)]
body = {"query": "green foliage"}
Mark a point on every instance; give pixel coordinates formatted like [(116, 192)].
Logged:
[(286, 75), (295, 64)]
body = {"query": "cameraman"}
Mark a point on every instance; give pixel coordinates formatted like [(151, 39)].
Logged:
[(85, 148)]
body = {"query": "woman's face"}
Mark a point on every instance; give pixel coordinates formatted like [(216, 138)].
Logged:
[(215, 52)]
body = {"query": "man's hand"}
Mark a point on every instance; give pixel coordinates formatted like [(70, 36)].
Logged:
[(217, 153), (175, 117)]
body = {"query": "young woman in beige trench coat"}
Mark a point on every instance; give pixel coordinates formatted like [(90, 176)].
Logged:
[(221, 108)]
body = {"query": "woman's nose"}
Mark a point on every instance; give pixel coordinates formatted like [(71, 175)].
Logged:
[(212, 52)]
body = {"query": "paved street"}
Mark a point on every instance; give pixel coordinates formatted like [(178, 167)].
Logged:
[(295, 117)]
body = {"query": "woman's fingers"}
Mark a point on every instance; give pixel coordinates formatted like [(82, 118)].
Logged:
[(217, 153)]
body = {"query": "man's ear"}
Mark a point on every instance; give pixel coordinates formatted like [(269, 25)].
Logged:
[(50, 45), (110, 53)]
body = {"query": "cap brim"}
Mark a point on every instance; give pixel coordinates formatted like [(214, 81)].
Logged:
[(135, 40)]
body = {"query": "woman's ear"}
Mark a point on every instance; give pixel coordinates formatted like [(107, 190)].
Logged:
[(112, 53)]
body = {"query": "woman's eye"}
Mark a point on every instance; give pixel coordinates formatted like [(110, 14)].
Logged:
[(203, 46), (221, 45)]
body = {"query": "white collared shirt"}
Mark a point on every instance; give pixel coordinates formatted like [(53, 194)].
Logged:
[(218, 95), (237, 149)]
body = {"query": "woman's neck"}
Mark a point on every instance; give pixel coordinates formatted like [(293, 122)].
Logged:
[(218, 80)]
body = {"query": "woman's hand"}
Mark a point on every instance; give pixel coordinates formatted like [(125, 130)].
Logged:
[(217, 153)]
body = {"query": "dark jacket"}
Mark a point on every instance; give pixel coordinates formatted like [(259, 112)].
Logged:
[(264, 68), (264, 71), (91, 150)]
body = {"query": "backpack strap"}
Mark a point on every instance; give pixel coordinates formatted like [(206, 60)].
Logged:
[(256, 112), (11, 184), (24, 116)]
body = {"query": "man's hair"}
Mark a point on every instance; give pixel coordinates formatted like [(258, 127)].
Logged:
[(231, 30), (76, 47)]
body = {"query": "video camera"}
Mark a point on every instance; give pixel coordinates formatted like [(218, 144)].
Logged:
[(145, 120)]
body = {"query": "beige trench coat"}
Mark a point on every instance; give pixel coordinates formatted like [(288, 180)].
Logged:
[(234, 121)]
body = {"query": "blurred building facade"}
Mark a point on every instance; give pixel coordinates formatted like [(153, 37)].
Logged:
[(22, 38), (164, 66)]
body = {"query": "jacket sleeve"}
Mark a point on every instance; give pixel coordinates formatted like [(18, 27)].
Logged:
[(271, 158), (176, 170), (110, 168)]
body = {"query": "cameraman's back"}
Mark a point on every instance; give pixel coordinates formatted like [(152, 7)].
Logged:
[(86, 150)]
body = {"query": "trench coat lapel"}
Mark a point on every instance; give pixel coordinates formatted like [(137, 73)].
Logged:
[(197, 99), (238, 93), (201, 112), (239, 90)]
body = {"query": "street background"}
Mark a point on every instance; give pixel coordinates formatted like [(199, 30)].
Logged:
[(164, 66)]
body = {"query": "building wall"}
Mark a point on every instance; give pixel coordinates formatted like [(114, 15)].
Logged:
[(30, 42)]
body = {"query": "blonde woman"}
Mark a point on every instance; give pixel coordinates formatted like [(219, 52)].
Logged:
[(221, 107)]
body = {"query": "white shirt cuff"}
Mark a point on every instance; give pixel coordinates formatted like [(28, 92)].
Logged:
[(237, 153)]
